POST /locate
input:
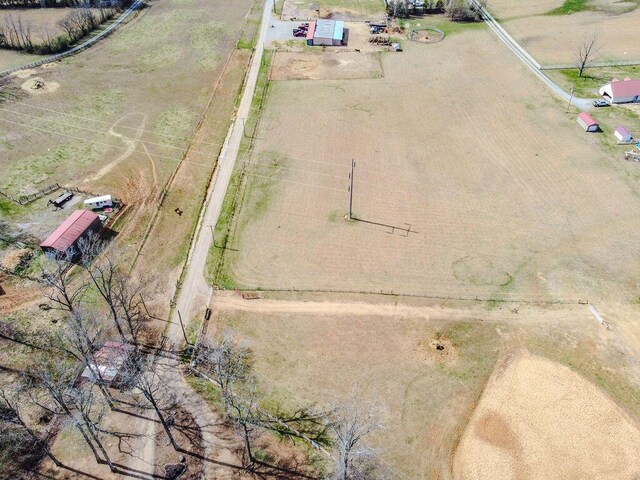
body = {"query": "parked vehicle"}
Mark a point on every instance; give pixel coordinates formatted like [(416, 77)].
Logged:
[(601, 103)]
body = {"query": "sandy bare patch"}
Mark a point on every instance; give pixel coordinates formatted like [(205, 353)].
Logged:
[(437, 350), (539, 419), (49, 65), (325, 66), (38, 86), (26, 73)]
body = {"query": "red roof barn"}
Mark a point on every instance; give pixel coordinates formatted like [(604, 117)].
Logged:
[(587, 122), (78, 225)]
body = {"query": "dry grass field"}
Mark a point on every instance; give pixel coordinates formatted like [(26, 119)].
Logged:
[(555, 38), (335, 9), (538, 419), (311, 66), (505, 196), (126, 132), (314, 349)]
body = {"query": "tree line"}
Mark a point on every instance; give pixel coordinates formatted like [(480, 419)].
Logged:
[(85, 17), (457, 10)]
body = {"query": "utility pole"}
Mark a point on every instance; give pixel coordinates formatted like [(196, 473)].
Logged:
[(570, 99), (353, 166), (184, 333)]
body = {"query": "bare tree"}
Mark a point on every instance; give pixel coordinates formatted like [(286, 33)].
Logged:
[(354, 420), (587, 52), (103, 274), (228, 362), (139, 373), (54, 379), (80, 337), (61, 288), (10, 414)]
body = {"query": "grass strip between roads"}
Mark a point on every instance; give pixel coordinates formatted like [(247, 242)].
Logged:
[(217, 273)]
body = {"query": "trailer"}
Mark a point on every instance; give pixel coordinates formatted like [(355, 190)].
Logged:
[(103, 201), (61, 200)]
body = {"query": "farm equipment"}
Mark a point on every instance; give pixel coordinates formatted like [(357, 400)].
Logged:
[(380, 40), (632, 156)]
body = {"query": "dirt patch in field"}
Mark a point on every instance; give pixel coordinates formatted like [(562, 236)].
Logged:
[(26, 73), (38, 86), (438, 350), (325, 66), (539, 419)]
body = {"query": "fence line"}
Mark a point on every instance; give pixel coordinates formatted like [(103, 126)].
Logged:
[(391, 293), (54, 58), (612, 63)]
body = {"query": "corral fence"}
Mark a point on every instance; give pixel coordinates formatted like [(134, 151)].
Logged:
[(411, 33), (25, 199), (84, 45)]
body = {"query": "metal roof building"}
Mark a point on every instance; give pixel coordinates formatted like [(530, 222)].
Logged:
[(621, 91), (327, 32), (110, 361), (587, 122), (79, 224)]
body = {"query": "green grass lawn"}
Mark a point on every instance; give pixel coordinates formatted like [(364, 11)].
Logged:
[(571, 6)]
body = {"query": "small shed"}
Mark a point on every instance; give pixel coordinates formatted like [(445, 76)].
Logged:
[(79, 224), (99, 202), (622, 134), (110, 362), (587, 122)]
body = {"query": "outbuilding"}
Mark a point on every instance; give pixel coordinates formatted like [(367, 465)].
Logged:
[(621, 91), (99, 202), (327, 32), (79, 224), (587, 122), (111, 361), (623, 135)]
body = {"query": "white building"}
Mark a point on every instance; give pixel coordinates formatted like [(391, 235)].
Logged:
[(99, 202), (623, 135), (621, 91)]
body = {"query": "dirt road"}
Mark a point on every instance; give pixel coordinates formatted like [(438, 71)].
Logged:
[(195, 290)]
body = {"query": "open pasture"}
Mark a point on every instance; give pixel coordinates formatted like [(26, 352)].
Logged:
[(553, 39), (335, 9), (426, 364), (470, 181)]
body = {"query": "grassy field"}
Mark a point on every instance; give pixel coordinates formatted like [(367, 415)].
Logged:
[(129, 137), (433, 199), (345, 9), (552, 30), (391, 358), (317, 359)]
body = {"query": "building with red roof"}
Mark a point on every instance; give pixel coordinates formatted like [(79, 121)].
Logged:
[(587, 122), (621, 91), (79, 224)]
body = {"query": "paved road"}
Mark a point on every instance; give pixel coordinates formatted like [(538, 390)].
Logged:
[(528, 60), (195, 292)]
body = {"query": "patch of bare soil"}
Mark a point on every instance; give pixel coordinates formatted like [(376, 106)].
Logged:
[(539, 419), (37, 86), (16, 258), (26, 73), (325, 66), (437, 350)]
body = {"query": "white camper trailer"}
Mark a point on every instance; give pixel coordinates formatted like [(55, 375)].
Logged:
[(99, 202)]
